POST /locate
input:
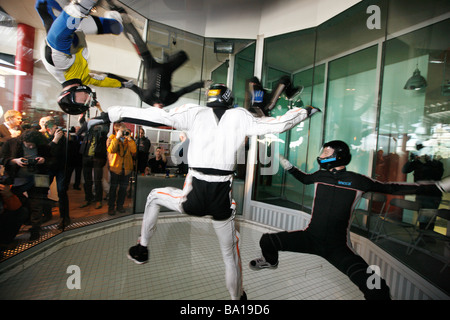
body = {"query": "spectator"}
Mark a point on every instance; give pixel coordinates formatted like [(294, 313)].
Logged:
[(25, 161), (143, 144), (93, 150), (121, 148), (42, 122), (11, 127), (56, 163), (158, 163), (74, 158)]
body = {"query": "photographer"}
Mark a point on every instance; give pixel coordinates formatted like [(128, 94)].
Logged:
[(56, 163), (24, 159), (121, 148)]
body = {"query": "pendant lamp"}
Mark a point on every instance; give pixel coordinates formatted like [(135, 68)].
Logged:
[(416, 82)]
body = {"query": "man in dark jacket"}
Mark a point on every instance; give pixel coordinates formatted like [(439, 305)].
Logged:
[(93, 149), (25, 161), (56, 165), (143, 143)]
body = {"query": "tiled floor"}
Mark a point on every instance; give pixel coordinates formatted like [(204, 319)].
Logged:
[(185, 264)]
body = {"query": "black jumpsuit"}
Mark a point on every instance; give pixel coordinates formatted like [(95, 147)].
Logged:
[(158, 76), (336, 195)]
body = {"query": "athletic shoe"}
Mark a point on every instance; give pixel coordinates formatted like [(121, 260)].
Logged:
[(311, 110), (103, 118), (293, 93), (261, 263), (128, 84), (444, 184), (138, 254)]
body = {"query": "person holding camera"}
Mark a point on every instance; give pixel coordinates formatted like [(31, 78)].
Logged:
[(121, 149), (57, 144), (25, 160)]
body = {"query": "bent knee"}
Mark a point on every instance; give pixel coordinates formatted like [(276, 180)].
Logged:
[(153, 195), (270, 241)]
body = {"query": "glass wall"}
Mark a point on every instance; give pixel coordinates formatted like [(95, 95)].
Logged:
[(357, 68), (297, 63)]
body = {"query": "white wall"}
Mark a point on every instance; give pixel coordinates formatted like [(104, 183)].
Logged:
[(283, 16), (240, 19)]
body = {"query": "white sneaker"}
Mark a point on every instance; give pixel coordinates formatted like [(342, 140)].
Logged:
[(261, 263), (444, 184)]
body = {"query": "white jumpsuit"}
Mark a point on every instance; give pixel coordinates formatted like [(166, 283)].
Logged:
[(213, 145)]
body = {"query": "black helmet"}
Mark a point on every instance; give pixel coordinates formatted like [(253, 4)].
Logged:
[(340, 157), (219, 96), (67, 100)]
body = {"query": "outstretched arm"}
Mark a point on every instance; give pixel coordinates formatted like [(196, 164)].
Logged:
[(260, 126), (180, 117), (296, 172)]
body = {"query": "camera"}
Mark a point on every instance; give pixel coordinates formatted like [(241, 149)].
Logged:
[(30, 162), (62, 129), (126, 133)]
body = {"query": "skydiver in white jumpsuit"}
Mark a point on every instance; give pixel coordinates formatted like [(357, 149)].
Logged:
[(216, 132)]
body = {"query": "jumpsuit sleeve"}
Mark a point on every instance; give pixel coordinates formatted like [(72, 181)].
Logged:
[(398, 188), (301, 176), (180, 118), (265, 125), (408, 167)]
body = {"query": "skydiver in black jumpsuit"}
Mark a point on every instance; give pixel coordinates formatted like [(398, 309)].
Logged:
[(263, 102), (158, 91), (336, 193)]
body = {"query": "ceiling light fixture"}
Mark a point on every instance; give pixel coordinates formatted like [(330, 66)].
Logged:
[(416, 82)]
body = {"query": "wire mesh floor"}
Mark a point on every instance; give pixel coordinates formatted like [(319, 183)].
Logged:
[(185, 264)]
